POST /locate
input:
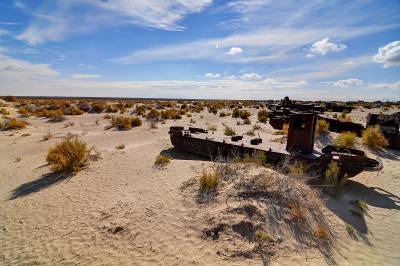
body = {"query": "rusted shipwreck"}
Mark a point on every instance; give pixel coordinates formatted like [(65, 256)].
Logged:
[(299, 147)]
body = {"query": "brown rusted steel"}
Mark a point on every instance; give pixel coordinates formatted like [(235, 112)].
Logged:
[(301, 133), (299, 147), (335, 125)]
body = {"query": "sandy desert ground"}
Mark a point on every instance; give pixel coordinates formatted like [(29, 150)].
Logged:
[(121, 210)]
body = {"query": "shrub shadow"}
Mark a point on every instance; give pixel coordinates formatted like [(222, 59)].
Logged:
[(37, 185), (181, 155), (346, 210)]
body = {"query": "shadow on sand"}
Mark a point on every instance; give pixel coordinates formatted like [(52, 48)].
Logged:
[(387, 154), (181, 155), (37, 185), (344, 206)]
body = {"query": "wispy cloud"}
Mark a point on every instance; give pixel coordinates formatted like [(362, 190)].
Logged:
[(85, 76), (55, 21)]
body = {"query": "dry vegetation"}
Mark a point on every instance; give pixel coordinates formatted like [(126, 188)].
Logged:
[(13, 124), (321, 128), (125, 122), (346, 139), (69, 156), (374, 138), (162, 161)]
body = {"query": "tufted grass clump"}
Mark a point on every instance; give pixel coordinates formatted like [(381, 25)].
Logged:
[(321, 232), (125, 122), (284, 131), (262, 236), (14, 124), (262, 116), (350, 230), (322, 127), (229, 131), (120, 146), (162, 161), (209, 180), (69, 156), (4, 111), (346, 139), (374, 138)]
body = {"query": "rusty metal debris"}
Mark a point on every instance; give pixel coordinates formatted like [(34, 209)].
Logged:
[(390, 126), (300, 146)]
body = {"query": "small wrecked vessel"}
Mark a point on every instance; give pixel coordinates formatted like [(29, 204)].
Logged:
[(299, 147)]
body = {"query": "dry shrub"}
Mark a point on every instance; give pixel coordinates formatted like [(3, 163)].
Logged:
[(222, 114), (284, 131), (14, 124), (229, 131), (244, 114), (262, 116), (236, 113), (262, 236), (171, 114), (246, 121), (153, 114), (346, 139), (322, 127), (350, 230), (297, 169), (209, 180), (321, 232), (98, 107), (4, 111), (120, 147), (344, 117), (69, 156), (162, 161), (125, 122), (212, 128), (250, 133), (153, 125), (73, 111), (374, 138), (297, 212)]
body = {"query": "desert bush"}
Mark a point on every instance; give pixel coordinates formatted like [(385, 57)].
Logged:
[(120, 146), (209, 180), (262, 236), (321, 232), (14, 124), (322, 127), (244, 114), (170, 114), (296, 210), (55, 115), (284, 131), (125, 122), (153, 125), (111, 109), (350, 230), (107, 116), (246, 121), (192, 121), (4, 111), (47, 136), (297, 169), (344, 117), (346, 139), (222, 114), (256, 127), (374, 138), (24, 112), (229, 131), (10, 98), (212, 128), (153, 114), (162, 161), (236, 113), (98, 107), (250, 133), (331, 174), (73, 111), (262, 116), (362, 205), (69, 156)]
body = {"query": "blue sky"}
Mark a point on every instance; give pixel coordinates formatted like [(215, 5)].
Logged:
[(256, 49)]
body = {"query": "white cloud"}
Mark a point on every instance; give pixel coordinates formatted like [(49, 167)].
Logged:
[(20, 69), (323, 47), (390, 86), (345, 83), (389, 55), (234, 51), (63, 19), (251, 76), (84, 76), (3, 32), (212, 75)]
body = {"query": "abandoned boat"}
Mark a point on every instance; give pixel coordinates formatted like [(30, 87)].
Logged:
[(299, 147)]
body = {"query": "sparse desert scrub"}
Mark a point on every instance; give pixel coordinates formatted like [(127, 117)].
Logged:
[(98, 107), (153, 114), (262, 116), (250, 133), (73, 111), (69, 156), (209, 180), (246, 121), (244, 114), (257, 127), (321, 232), (236, 113), (344, 117), (120, 146), (346, 139), (229, 131), (4, 111), (212, 128), (284, 131), (350, 230), (125, 122), (374, 138), (170, 114), (162, 161), (297, 169), (14, 124), (322, 127), (222, 114), (55, 116), (153, 125)]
